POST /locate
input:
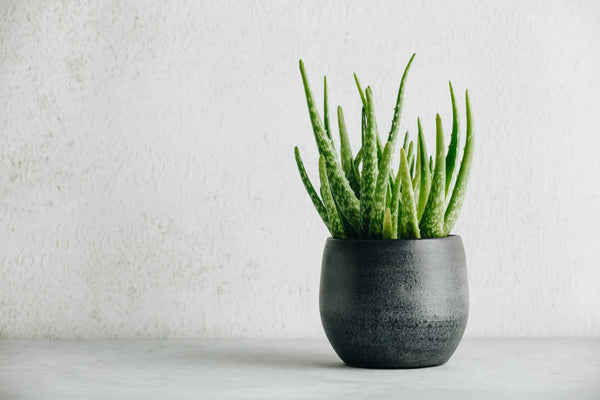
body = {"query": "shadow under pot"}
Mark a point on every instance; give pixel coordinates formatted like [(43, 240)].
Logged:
[(394, 303)]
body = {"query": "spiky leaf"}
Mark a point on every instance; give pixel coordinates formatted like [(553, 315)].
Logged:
[(326, 108), (416, 178), (408, 226), (346, 153), (310, 189), (387, 225), (378, 204), (425, 184), (432, 223), (340, 187), (364, 100), (335, 221), (369, 166), (398, 108), (452, 156), (405, 142), (395, 206), (460, 188)]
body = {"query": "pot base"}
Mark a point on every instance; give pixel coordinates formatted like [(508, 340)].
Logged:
[(399, 346)]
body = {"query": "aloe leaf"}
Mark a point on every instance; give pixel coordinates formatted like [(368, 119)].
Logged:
[(411, 158), (358, 158), (405, 142), (398, 108), (335, 221), (340, 187), (408, 226), (388, 195), (363, 127), (460, 188), (326, 108), (346, 153), (364, 100), (416, 177), (378, 205), (395, 203), (355, 165), (345, 148), (361, 92), (348, 229), (387, 225), (452, 156), (369, 166), (310, 189), (432, 223), (425, 184)]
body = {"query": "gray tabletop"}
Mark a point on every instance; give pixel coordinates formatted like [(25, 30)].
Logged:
[(291, 369)]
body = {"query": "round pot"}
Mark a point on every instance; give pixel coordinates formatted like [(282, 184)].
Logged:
[(394, 303)]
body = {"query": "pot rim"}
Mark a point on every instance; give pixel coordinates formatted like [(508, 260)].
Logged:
[(449, 237)]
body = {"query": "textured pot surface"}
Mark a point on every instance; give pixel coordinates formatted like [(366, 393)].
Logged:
[(394, 303)]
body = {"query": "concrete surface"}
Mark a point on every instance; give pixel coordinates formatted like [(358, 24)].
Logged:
[(292, 369)]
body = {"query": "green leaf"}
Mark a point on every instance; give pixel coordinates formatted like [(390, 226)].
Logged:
[(398, 108), (363, 130), (387, 225), (356, 173), (310, 189), (416, 177), (335, 221), (378, 204), (365, 103), (363, 99), (395, 206), (411, 158), (425, 184), (358, 158), (405, 142), (326, 108), (432, 223), (340, 187), (452, 156), (346, 153), (408, 226), (369, 166), (460, 188)]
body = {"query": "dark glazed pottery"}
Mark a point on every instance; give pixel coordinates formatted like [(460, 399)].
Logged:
[(394, 303)]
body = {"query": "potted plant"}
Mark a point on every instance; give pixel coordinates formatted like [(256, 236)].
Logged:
[(394, 290)]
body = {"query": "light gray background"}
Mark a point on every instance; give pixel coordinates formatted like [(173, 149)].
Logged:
[(147, 182)]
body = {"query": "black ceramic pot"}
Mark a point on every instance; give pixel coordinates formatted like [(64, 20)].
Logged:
[(394, 303)]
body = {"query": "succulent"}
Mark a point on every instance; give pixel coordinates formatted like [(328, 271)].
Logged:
[(362, 198)]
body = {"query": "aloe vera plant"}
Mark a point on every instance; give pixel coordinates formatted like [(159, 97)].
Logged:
[(362, 198)]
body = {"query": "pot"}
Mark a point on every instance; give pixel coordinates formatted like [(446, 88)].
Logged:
[(394, 303)]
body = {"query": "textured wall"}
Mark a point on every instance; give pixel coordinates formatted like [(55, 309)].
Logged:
[(147, 183)]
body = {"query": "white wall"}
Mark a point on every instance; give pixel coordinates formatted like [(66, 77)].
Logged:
[(147, 182)]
